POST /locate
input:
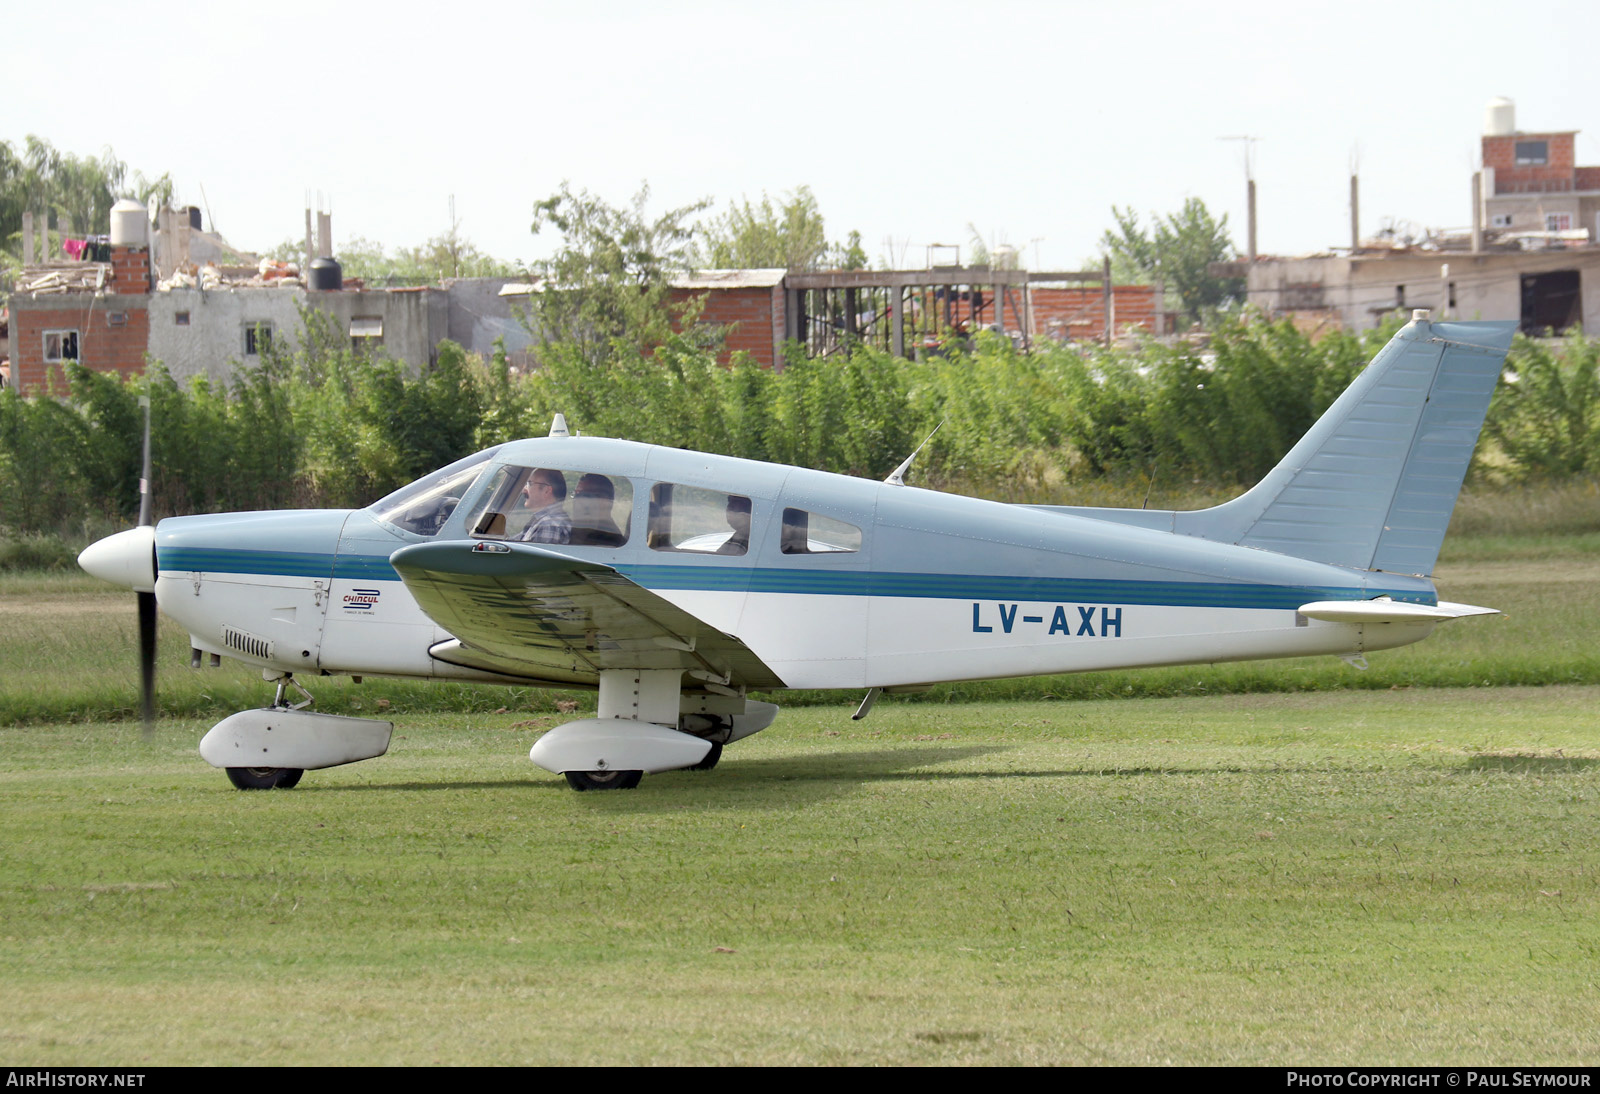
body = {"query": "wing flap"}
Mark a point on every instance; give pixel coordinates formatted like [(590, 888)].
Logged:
[(523, 610)]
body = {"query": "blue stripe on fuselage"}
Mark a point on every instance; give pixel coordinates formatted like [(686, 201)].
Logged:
[(1200, 594)]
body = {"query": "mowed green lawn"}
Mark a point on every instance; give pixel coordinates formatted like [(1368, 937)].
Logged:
[(1374, 876)]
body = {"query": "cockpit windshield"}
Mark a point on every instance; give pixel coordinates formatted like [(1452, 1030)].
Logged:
[(423, 507)]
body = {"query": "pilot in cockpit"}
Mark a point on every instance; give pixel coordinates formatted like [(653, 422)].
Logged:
[(545, 493)]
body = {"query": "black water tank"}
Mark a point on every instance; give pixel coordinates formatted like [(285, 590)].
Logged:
[(326, 275)]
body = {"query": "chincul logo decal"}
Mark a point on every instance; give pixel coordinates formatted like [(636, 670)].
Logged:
[(360, 600)]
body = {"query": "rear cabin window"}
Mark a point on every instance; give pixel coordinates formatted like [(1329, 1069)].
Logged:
[(814, 534), (561, 506), (699, 521)]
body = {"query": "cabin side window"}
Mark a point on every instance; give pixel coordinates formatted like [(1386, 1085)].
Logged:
[(807, 533), (698, 521), (556, 506)]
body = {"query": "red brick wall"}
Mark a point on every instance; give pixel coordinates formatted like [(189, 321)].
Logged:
[(1587, 178), (130, 270), (1500, 153), (752, 314), (1080, 312), (103, 344)]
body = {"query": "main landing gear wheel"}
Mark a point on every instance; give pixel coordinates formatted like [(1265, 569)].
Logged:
[(603, 780), (264, 778), (711, 758)]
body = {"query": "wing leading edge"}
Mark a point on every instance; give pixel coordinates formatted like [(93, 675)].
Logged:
[(529, 612)]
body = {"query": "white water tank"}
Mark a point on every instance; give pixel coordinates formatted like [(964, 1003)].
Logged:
[(1500, 118), (130, 224)]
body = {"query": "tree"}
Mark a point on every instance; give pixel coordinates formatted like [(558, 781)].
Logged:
[(62, 186), (445, 256), (1178, 252), (790, 234), (609, 281), (747, 236)]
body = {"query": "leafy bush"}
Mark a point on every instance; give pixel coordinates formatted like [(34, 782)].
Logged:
[(318, 424)]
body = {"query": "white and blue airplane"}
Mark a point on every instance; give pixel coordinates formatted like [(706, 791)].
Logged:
[(676, 583)]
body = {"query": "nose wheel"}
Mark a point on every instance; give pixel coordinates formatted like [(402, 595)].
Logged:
[(603, 780), (264, 778)]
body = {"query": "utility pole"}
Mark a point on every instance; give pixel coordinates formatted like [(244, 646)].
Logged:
[(1250, 192)]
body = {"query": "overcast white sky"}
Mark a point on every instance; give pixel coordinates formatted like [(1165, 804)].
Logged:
[(907, 120)]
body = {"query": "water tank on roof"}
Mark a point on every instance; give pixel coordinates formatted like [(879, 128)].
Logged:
[(1499, 118), (130, 224), (326, 275)]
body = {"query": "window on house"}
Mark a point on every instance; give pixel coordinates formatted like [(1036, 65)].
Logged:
[(181, 319), (257, 338), (1500, 220), (1558, 222), (1399, 296), (366, 333), (60, 345), (116, 319), (1533, 153)]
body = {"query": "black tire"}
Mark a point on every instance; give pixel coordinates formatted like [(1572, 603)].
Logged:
[(264, 778), (603, 780), (711, 758)]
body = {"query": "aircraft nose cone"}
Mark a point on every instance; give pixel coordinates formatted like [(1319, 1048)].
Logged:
[(127, 559)]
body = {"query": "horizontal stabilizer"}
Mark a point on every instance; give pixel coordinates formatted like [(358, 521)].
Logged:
[(1384, 610)]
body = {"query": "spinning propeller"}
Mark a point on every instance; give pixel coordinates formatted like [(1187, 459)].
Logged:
[(129, 559)]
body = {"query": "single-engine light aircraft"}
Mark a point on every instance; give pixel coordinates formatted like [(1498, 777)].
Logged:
[(675, 582)]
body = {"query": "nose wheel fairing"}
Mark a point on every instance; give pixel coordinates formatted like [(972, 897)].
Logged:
[(274, 737)]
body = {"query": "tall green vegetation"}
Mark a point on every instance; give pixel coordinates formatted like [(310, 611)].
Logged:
[(318, 424), (1546, 421)]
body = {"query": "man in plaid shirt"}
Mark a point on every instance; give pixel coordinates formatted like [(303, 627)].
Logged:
[(545, 493)]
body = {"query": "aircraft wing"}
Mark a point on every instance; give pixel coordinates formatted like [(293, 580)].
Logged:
[(524, 610)]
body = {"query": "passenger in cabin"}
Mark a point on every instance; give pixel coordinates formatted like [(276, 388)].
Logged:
[(545, 493), (794, 540), (738, 517), (592, 522)]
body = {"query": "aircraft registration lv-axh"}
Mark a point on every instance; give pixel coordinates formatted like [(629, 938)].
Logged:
[(676, 582)]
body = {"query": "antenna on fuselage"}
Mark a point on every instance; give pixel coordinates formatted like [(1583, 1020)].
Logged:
[(558, 426), (897, 477)]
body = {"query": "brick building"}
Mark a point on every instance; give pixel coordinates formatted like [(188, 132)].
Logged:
[(106, 328), (1532, 183)]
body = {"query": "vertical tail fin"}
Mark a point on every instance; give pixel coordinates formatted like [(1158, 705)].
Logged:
[(1372, 484)]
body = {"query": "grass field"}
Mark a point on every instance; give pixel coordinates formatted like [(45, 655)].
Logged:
[(1396, 874), (1333, 878)]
